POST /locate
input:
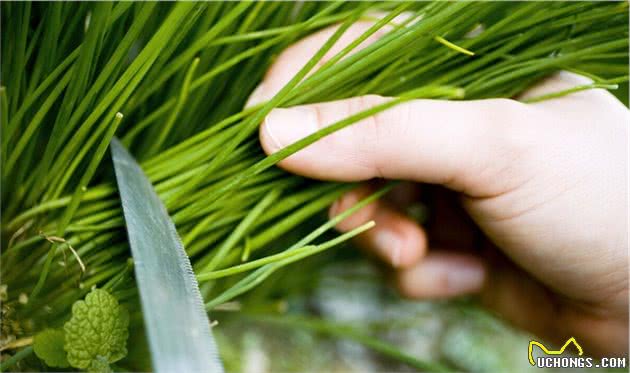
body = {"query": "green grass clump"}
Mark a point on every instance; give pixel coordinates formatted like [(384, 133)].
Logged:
[(171, 79)]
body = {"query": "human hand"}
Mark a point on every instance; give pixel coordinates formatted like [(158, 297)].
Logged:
[(546, 183)]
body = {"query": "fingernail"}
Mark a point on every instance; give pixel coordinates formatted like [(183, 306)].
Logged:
[(259, 95), (283, 127), (389, 245), (466, 278)]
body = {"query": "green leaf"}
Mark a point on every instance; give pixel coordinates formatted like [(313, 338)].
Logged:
[(97, 331), (48, 346)]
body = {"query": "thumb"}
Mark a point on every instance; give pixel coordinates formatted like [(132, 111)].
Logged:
[(454, 143)]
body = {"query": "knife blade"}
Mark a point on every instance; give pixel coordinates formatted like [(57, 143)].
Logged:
[(176, 323)]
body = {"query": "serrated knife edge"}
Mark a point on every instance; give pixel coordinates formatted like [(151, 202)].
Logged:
[(179, 334)]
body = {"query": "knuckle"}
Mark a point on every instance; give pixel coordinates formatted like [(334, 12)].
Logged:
[(370, 132), (318, 116), (512, 134), (500, 125), (373, 134), (498, 141), (368, 127)]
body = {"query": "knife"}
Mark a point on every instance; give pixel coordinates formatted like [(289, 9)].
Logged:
[(176, 323)]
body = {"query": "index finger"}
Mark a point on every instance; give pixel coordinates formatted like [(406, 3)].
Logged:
[(292, 59)]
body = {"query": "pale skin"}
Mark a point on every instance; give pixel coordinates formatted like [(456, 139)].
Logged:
[(530, 200)]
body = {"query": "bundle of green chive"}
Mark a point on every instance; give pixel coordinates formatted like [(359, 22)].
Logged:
[(171, 80)]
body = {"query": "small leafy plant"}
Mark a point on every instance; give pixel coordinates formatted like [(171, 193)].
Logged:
[(94, 337), (96, 334)]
